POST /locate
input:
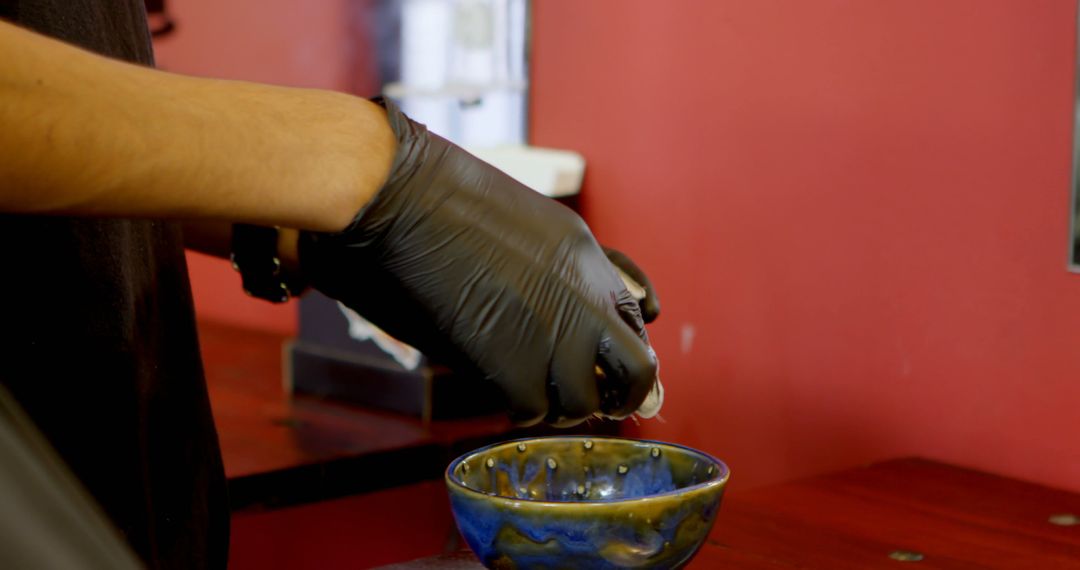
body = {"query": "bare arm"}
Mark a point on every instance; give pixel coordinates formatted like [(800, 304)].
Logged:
[(86, 135)]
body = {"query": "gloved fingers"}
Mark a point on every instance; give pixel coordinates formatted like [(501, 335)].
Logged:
[(573, 393), (525, 390), (650, 305), (629, 366), (630, 312)]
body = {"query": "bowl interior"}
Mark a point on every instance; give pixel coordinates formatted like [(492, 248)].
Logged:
[(583, 469)]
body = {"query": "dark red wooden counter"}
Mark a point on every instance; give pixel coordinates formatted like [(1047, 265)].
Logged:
[(905, 513), (282, 451), (868, 517), (319, 484)]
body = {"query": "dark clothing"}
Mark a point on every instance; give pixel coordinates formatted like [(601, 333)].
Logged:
[(46, 518), (98, 341)]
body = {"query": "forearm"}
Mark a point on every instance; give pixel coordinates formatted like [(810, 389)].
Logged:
[(85, 135)]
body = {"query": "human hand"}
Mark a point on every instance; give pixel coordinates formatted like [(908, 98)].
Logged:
[(474, 269), (639, 284), (642, 290)]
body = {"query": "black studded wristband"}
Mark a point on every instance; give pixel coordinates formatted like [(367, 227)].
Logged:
[(255, 256)]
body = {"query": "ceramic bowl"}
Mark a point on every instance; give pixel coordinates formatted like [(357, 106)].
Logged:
[(585, 502)]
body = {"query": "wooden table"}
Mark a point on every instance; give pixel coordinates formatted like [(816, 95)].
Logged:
[(898, 514), (282, 450)]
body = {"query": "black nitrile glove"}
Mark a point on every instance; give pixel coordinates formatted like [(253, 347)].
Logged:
[(650, 303), (479, 272)]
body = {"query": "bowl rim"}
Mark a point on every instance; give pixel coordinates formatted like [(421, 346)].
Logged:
[(457, 484)]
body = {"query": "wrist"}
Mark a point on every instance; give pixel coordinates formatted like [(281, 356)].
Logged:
[(288, 249), (371, 145), (267, 261)]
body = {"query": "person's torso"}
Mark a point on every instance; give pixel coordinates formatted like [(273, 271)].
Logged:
[(98, 340)]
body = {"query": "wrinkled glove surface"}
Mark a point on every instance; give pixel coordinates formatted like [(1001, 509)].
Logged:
[(482, 273)]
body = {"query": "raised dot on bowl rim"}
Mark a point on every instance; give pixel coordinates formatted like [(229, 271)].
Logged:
[(551, 463), (490, 462), (521, 447)]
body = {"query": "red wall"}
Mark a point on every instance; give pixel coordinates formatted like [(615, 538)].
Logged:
[(856, 214)]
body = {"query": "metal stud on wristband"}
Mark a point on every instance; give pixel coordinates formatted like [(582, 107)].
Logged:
[(254, 255)]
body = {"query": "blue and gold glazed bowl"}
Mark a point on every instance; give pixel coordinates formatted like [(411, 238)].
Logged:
[(585, 502)]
